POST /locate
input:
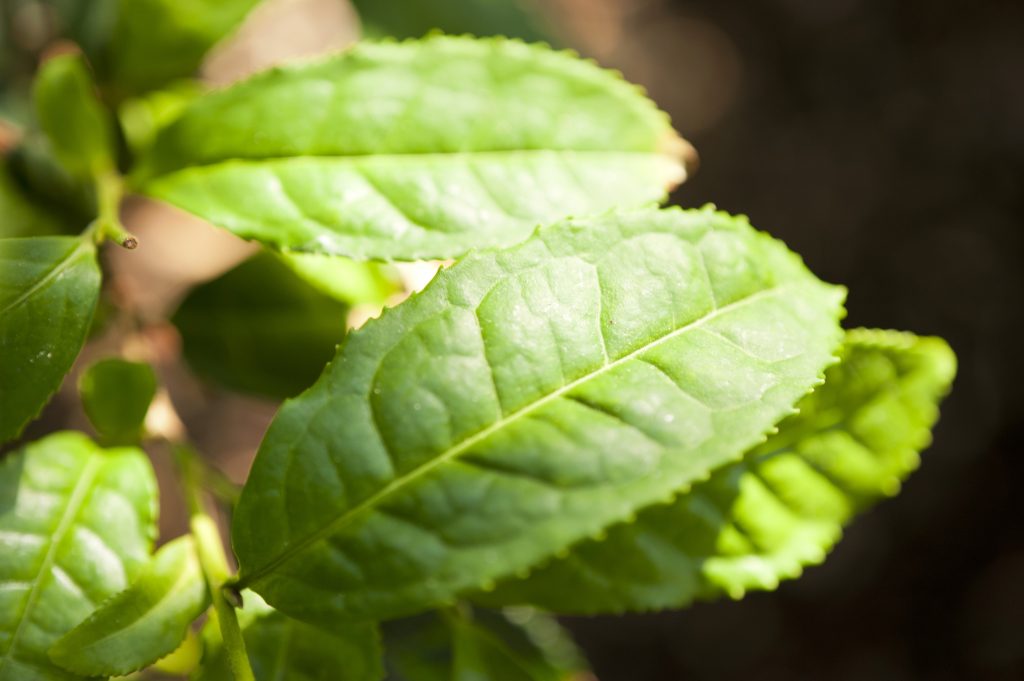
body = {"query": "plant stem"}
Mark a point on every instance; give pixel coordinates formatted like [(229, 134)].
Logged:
[(107, 226), (215, 565)]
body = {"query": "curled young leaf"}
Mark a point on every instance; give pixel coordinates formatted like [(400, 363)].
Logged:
[(78, 127), (76, 527), (417, 150), (143, 623), (764, 519), (48, 292), (527, 399)]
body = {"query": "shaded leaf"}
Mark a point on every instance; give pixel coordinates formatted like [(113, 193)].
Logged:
[(19, 215), (413, 19), (418, 150), (763, 520), (116, 395), (76, 527), (143, 623), (260, 329), (524, 401), (283, 649), (476, 646), (48, 291)]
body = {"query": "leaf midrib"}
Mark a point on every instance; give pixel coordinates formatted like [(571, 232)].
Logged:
[(61, 266), (78, 495), (296, 548), (394, 156)]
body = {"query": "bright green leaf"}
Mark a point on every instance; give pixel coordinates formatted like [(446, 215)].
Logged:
[(416, 150), (48, 291), (116, 395), (478, 646), (524, 401), (765, 519), (283, 649), (77, 524), (414, 18), (260, 329), (349, 281), (157, 41), (72, 117), (19, 216), (143, 623)]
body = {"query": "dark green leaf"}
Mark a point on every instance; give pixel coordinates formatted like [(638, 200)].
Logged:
[(77, 524), (416, 150), (116, 395), (479, 646), (523, 402), (48, 291), (765, 519), (19, 216), (414, 18), (283, 649), (260, 329), (143, 623)]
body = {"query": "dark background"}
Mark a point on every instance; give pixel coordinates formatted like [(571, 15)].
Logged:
[(884, 141)]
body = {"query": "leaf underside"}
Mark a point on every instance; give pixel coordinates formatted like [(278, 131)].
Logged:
[(391, 151), (48, 292), (763, 520), (76, 526), (526, 400)]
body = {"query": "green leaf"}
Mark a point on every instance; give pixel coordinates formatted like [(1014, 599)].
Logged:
[(418, 150), (20, 216), (72, 117), (478, 646), (77, 524), (48, 291), (260, 329), (349, 281), (143, 117), (283, 649), (143, 623), (524, 401), (413, 18), (116, 395), (155, 42), (763, 520)]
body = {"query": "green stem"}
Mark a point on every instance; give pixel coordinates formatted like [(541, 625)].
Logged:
[(215, 566), (107, 226)]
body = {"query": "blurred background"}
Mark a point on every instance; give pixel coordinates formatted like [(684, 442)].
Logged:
[(882, 140)]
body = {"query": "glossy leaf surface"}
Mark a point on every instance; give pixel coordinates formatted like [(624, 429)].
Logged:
[(70, 113), (763, 520), (116, 395), (283, 649), (76, 527), (48, 292), (143, 623), (416, 150), (524, 401), (260, 329)]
